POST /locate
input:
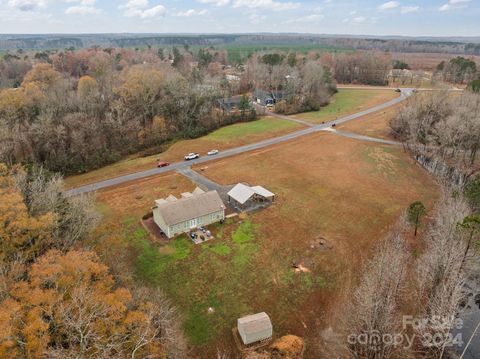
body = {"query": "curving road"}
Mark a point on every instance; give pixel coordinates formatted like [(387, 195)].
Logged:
[(405, 93)]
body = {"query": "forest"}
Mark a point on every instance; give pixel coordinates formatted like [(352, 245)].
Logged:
[(77, 110)]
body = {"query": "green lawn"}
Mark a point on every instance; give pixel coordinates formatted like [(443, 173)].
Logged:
[(262, 126), (229, 275), (348, 101)]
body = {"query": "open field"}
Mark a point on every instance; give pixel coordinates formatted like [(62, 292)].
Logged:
[(239, 53), (345, 191), (427, 61), (226, 137), (348, 101), (374, 125)]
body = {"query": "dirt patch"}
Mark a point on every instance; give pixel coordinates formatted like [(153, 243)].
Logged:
[(320, 243)]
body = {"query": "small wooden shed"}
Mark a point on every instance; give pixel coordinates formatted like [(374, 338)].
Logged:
[(255, 328)]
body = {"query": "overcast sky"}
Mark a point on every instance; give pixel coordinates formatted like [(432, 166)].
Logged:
[(368, 17)]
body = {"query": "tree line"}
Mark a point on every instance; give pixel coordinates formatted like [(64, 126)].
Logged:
[(442, 126), (73, 111), (57, 298)]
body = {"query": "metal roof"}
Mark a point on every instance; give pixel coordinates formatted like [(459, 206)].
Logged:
[(184, 209), (255, 323), (263, 191), (242, 193)]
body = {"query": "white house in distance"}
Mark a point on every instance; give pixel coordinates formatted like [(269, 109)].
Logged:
[(192, 210), (255, 328)]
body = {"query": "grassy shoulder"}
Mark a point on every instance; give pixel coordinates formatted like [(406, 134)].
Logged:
[(348, 101), (224, 138)]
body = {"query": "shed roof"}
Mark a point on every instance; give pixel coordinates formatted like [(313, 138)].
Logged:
[(255, 323), (188, 208), (241, 193), (262, 191)]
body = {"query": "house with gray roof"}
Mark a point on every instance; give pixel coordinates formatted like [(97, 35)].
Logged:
[(180, 215)]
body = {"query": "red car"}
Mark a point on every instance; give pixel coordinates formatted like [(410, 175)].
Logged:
[(163, 164)]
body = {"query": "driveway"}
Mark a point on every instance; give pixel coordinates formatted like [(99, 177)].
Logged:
[(235, 151)]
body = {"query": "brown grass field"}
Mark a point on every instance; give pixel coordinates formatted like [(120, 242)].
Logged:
[(374, 125), (346, 191)]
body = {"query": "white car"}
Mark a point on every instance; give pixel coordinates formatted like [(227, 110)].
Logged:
[(191, 156), (213, 152)]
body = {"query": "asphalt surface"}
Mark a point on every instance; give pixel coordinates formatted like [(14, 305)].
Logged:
[(235, 151)]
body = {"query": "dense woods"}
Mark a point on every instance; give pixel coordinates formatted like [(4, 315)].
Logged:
[(443, 126), (57, 298), (458, 70), (72, 111)]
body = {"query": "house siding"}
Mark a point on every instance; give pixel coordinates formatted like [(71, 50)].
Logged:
[(184, 227)]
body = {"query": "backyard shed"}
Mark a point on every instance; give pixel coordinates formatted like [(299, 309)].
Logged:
[(255, 328), (193, 210), (241, 194)]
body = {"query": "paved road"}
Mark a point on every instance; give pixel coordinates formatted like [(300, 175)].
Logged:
[(235, 151), (203, 182)]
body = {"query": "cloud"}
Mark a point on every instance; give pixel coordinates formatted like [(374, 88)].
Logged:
[(389, 5), (409, 9), (142, 9), (307, 18), (191, 12), (266, 4), (85, 7), (82, 10), (27, 5), (256, 19), (454, 4), (355, 20), (215, 2)]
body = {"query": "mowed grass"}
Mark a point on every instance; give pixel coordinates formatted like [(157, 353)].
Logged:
[(348, 101), (221, 139), (347, 192)]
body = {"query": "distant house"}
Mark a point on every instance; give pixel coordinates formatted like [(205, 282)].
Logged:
[(255, 328), (269, 98), (192, 210), (241, 194), (229, 104), (263, 98)]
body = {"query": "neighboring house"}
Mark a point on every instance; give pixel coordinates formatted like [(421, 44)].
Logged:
[(263, 98), (192, 210), (229, 104), (255, 328), (242, 194), (269, 98)]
